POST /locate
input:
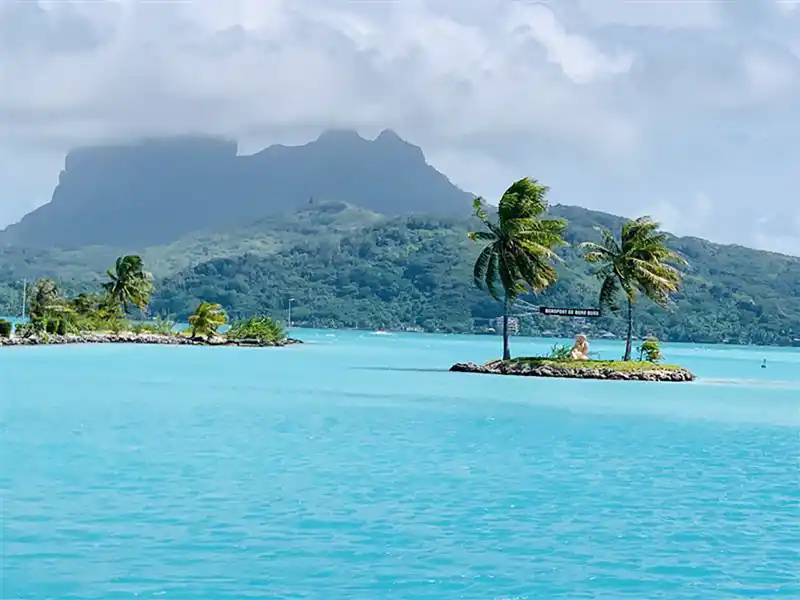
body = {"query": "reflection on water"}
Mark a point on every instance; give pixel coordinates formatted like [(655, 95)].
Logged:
[(356, 468), (793, 385)]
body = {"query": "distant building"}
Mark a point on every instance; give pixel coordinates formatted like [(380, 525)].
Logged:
[(513, 325)]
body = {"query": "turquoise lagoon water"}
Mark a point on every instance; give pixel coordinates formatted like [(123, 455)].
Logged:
[(355, 467)]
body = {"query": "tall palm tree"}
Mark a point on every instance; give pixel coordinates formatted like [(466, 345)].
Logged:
[(639, 261), (207, 319), (520, 247), (45, 301), (129, 284)]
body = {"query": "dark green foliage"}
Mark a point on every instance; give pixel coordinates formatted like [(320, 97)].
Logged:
[(416, 272), (129, 284), (5, 328), (650, 350), (51, 326), (409, 272), (638, 261), (61, 328), (259, 328), (354, 269), (45, 300), (560, 352), (24, 330), (518, 248), (206, 320)]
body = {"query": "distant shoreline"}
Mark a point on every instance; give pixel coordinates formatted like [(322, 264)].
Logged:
[(540, 336), (154, 339)]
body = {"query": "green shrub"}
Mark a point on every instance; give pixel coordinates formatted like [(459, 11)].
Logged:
[(650, 350), (5, 328), (117, 325), (164, 326), (61, 328), (25, 330), (51, 326), (161, 326), (560, 352), (260, 328)]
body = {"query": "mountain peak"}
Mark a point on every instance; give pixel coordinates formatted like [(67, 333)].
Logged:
[(340, 136), (389, 135), (156, 191)]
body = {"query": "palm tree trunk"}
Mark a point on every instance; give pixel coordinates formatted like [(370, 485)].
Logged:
[(506, 348), (629, 338)]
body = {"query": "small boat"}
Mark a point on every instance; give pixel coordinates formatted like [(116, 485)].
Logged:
[(381, 332)]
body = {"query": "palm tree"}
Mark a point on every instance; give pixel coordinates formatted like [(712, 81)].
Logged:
[(639, 261), (520, 247), (129, 284), (45, 301), (207, 319)]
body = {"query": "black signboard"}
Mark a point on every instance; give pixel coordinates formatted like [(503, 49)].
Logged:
[(569, 312)]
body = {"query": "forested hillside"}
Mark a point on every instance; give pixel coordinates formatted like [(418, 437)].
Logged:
[(417, 272), (348, 267)]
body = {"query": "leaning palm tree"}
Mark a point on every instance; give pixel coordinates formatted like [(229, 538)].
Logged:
[(639, 261), (45, 302), (207, 319), (520, 247), (129, 284)]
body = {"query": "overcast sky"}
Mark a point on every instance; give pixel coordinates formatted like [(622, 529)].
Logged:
[(686, 110)]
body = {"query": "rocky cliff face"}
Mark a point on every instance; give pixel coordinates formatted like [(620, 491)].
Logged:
[(155, 191)]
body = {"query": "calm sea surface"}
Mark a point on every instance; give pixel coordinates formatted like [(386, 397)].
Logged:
[(355, 467)]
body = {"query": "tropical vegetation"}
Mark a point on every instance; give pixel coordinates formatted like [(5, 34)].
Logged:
[(259, 328), (650, 350), (129, 284), (54, 313), (519, 247), (638, 262), (350, 268), (206, 320)]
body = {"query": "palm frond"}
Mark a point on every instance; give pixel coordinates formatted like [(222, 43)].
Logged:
[(482, 236), (479, 210), (481, 267), (492, 275), (608, 293)]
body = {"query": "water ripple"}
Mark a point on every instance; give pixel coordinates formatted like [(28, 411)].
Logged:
[(428, 487)]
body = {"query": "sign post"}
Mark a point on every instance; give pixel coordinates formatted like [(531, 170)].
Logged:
[(569, 312)]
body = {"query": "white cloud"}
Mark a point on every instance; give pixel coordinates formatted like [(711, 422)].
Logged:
[(611, 102), (668, 14), (691, 217)]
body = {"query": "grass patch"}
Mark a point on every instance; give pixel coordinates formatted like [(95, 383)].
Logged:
[(613, 365)]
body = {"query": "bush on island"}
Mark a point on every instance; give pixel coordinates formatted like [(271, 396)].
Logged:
[(650, 350), (259, 328)]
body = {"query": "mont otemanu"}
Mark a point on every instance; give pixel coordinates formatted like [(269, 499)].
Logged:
[(579, 369)]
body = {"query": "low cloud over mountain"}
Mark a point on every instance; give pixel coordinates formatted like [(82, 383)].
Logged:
[(686, 110)]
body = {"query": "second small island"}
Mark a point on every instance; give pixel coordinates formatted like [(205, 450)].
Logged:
[(580, 369)]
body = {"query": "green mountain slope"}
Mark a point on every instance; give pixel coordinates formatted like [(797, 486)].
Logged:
[(82, 268), (415, 272), (349, 267)]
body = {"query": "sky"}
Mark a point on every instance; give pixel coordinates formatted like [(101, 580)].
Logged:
[(686, 110)]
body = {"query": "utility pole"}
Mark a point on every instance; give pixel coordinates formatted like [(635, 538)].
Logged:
[(290, 312), (24, 297)]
